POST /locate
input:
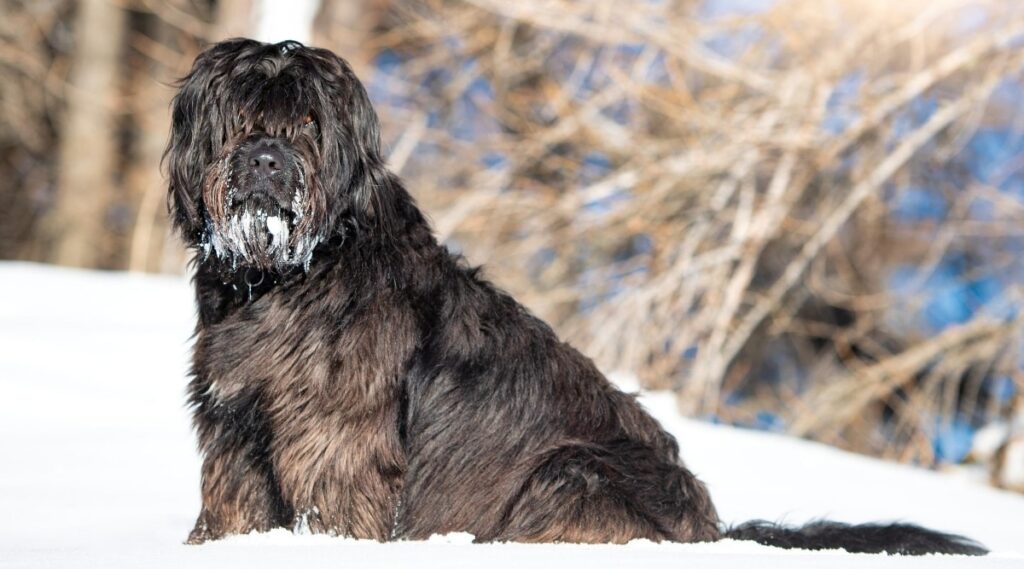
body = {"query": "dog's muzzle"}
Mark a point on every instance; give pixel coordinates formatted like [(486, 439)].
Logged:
[(265, 198)]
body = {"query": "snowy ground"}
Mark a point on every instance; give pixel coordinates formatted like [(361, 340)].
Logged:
[(97, 466)]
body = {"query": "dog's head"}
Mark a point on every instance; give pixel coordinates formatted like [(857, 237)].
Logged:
[(271, 146)]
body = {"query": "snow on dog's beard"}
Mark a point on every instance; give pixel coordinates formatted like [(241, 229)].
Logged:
[(257, 232)]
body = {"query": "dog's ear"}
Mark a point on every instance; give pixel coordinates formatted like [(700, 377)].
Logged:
[(372, 187), (364, 119), (189, 150), (376, 195)]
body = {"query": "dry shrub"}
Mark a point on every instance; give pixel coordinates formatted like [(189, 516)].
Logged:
[(34, 41), (712, 201)]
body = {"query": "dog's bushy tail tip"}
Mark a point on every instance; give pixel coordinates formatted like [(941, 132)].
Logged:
[(896, 538)]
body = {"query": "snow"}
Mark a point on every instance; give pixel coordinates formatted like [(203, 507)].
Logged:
[(99, 468), (252, 232), (278, 230)]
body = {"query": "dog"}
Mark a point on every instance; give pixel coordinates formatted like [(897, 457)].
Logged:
[(353, 377)]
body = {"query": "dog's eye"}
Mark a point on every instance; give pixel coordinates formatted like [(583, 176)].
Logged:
[(308, 121)]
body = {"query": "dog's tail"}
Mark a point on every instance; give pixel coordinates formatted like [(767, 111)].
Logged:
[(901, 539)]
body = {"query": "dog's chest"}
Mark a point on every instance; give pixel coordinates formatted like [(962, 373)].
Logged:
[(328, 383)]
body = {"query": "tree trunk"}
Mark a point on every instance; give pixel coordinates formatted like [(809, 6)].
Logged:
[(88, 147), (344, 26), (151, 119), (234, 18)]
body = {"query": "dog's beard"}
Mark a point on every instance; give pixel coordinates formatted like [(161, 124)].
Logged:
[(257, 232), (259, 236)]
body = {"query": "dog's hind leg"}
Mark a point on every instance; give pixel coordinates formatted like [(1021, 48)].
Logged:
[(608, 493)]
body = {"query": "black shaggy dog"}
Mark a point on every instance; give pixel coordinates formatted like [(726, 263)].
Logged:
[(353, 377)]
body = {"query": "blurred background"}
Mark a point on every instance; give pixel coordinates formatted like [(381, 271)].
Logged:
[(804, 216)]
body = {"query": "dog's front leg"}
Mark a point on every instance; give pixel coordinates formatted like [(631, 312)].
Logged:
[(239, 496), (240, 493)]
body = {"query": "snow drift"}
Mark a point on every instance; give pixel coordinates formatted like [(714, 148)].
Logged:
[(99, 467)]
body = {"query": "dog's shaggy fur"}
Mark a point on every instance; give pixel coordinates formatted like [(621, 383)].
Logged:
[(353, 377)]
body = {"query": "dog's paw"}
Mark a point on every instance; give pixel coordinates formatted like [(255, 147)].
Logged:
[(202, 533), (308, 521)]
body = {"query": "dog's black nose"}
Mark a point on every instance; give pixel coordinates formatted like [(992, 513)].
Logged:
[(266, 160)]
